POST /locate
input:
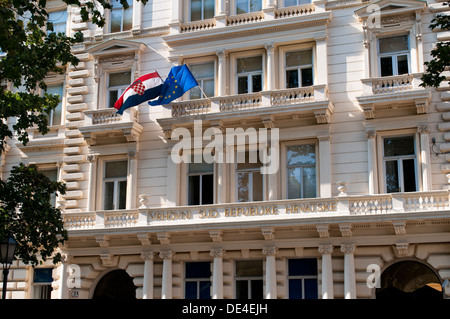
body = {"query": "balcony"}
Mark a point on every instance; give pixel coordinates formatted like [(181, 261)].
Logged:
[(341, 209), (270, 108), (384, 96), (104, 126)]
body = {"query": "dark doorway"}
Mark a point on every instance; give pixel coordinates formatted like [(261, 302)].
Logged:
[(409, 280), (115, 285)]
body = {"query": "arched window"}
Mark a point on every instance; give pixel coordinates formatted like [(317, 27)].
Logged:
[(115, 285)]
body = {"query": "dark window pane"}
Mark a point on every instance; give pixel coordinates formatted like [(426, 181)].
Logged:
[(207, 189), (302, 267), (295, 289), (309, 182), (257, 289), (116, 169), (242, 289), (257, 83), (205, 290), (402, 64), (194, 190), (409, 175), (242, 84), (127, 19), (43, 275), (113, 96), (245, 268), (208, 9), (198, 269), (109, 196), (116, 20), (122, 194), (294, 183), (392, 185), (292, 79), (257, 186), (398, 146), (196, 10), (386, 66), (311, 288), (190, 290), (307, 77)]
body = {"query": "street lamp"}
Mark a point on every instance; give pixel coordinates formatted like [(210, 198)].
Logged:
[(7, 249)]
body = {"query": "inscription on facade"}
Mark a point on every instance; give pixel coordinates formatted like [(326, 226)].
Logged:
[(291, 208)]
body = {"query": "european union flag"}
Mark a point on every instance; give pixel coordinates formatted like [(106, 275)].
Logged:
[(179, 81)]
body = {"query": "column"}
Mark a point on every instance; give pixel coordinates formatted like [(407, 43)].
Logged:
[(148, 274), (92, 178), (137, 17), (424, 132), (221, 13), (63, 287), (372, 161), (221, 74), (177, 10), (327, 271), (131, 180), (349, 271), (173, 176), (325, 166), (271, 272), (321, 75), (270, 48), (217, 284), (166, 291)]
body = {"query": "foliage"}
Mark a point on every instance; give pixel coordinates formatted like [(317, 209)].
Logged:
[(440, 55)]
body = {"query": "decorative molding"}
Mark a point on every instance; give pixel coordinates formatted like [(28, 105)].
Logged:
[(323, 231), (399, 227), (270, 251), (348, 248), (326, 249), (217, 253), (164, 238), (166, 254), (346, 230), (216, 235), (102, 240), (144, 239), (148, 255), (268, 233)]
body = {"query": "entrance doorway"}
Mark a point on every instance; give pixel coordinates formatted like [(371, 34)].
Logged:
[(115, 285), (409, 280)]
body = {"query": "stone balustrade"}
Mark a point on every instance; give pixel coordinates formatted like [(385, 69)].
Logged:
[(391, 84), (273, 211)]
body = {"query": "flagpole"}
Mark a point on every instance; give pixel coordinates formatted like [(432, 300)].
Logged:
[(202, 91)]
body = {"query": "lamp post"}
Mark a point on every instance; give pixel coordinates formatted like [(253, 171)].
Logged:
[(7, 250)]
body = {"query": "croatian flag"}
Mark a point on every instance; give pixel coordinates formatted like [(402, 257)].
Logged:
[(145, 88)]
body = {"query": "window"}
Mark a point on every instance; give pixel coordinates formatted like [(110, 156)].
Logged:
[(200, 183), (54, 118), (301, 171), (249, 74), (202, 9), (197, 280), (299, 69), (249, 179), (290, 3), (394, 55), (302, 278), (204, 74), (42, 283), (249, 279), (117, 84), (52, 175), (246, 6), (115, 185), (121, 19), (57, 22), (399, 159)]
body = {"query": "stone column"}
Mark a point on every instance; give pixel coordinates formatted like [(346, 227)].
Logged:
[(148, 274), (349, 271), (271, 272), (172, 178), (325, 166), (372, 161), (217, 284), (131, 180), (322, 58), (327, 271), (221, 73), (270, 48), (424, 132), (166, 291), (92, 178), (63, 277)]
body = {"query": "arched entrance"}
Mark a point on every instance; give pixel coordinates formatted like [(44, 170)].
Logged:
[(115, 285), (409, 280)]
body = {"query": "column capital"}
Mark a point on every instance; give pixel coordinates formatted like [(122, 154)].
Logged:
[(148, 255), (269, 46), (222, 53), (423, 129), (166, 254), (270, 251), (348, 248), (326, 249), (217, 253), (371, 134), (92, 158)]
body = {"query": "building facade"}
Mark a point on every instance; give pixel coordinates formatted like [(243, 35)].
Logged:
[(347, 193)]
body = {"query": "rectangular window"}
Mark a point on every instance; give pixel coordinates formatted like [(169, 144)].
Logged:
[(51, 174), (57, 22), (117, 84), (301, 171), (204, 74), (115, 185), (202, 9), (54, 118), (249, 180), (399, 158), (394, 55), (197, 280), (42, 283), (246, 6), (299, 69), (200, 183), (121, 19), (249, 279), (291, 3), (302, 278), (249, 74)]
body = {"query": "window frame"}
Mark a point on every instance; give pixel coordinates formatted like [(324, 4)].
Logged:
[(248, 279), (38, 287), (235, 9), (189, 13), (283, 50), (101, 169), (301, 277), (197, 61), (301, 4), (394, 55), (248, 170), (120, 7), (234, 57), (188, 175), (198, 280), (62, 104), (66, 23), (120, 89)]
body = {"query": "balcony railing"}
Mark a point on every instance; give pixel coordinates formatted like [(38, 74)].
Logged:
[(283, 211), (391, 84)]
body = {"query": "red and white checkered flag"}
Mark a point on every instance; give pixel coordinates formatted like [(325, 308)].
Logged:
[(138, 87)]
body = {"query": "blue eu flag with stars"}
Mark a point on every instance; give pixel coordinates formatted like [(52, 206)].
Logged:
[(179, 81)]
